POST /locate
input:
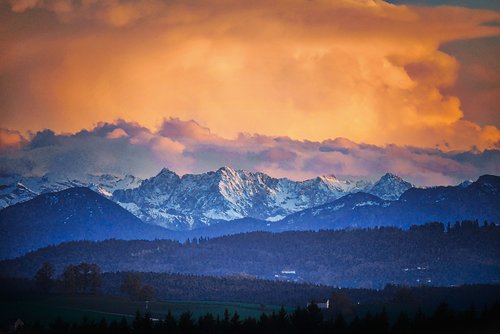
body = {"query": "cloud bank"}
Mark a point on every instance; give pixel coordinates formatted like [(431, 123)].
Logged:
[(366, 70), (186, 147)]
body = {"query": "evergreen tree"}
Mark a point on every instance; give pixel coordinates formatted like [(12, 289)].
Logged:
[(186, 324), (402, 324), (170, 323), (43, 277), (340, 325)]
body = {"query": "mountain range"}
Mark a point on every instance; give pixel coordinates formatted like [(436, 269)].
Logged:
[(199, 200)]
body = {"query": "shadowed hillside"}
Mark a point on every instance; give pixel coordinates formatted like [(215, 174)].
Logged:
[(427, 254)]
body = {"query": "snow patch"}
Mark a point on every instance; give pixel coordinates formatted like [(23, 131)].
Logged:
[(275, 218), (367, 203)]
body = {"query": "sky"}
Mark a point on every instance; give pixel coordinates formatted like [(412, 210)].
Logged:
[(293, 88)]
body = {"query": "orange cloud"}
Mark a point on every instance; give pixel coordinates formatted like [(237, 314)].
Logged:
[(117, 133), (10, 139), (366, 70)]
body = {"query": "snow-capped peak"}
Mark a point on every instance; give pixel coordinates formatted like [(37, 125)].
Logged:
[(329, 177), (166, 172), (387, 177), (227, 170), (390, 187), (465, 184)]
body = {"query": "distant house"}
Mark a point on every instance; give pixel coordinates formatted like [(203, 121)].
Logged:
[(289, 275), (325, 305), (288, 272)]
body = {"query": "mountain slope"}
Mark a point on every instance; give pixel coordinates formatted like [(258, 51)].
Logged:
[(72, 214), (480, 200)]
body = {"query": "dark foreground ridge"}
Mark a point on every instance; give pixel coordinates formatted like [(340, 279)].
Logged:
[(397, 315), (115, 297), (303, 320)]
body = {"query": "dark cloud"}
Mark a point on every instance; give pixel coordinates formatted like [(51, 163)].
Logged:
[(176, 129), (187, 147), (44, 138), (90, 152), (333, 149), (478, 81)]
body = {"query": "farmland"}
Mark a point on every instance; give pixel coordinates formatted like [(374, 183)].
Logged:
[(73, 308)]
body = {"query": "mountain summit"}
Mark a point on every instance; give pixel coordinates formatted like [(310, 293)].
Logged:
[(390, 187)]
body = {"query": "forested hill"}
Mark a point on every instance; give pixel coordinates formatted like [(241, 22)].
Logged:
[(427, 254)]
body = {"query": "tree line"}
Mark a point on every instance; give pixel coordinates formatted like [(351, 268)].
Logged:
[(87, 278), (308, 320), (81, 278)]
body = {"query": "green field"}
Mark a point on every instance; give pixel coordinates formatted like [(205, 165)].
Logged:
[(46, 308)]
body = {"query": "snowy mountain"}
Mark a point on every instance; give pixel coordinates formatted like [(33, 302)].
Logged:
[(390, 187), (479, 201), (17, 189), (197, 200)]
